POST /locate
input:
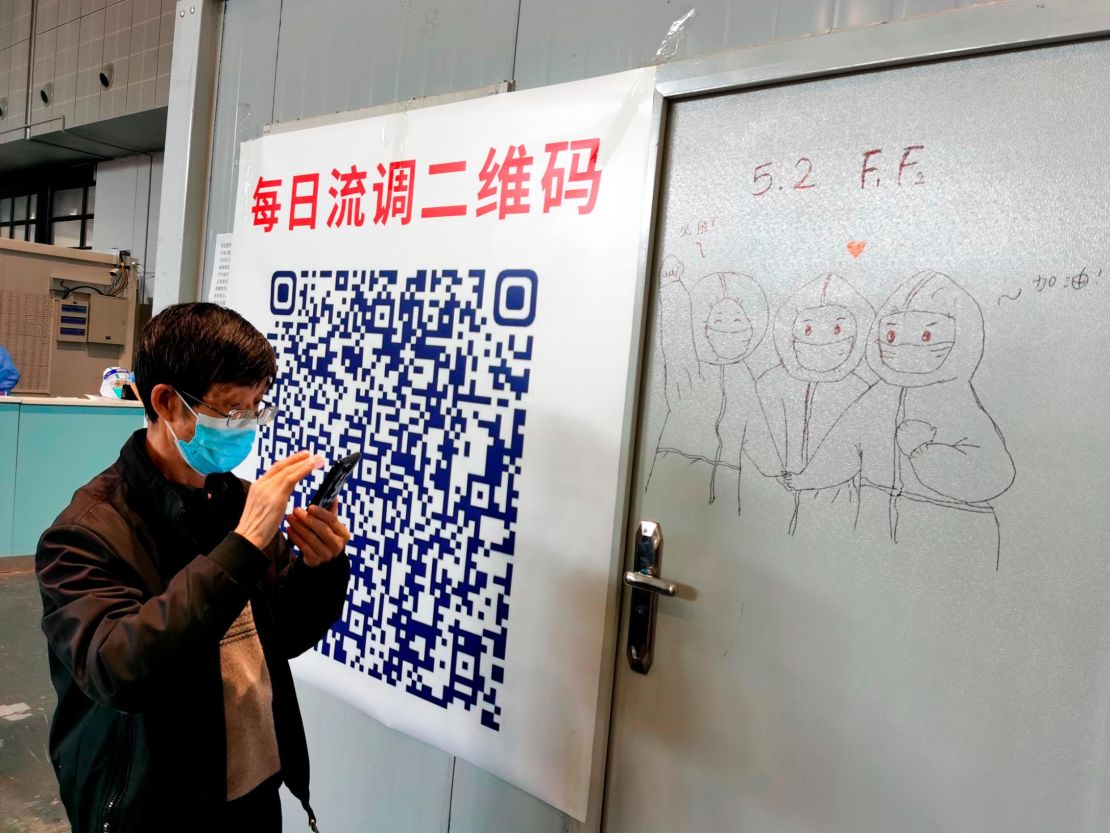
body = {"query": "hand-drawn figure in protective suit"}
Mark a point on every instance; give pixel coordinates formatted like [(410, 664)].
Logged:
[(930, 456), (714, 416), (820, 333)]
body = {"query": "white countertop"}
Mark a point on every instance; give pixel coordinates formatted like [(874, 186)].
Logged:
[(72, 401)]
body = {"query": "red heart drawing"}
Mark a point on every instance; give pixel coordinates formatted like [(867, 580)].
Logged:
[(856, 247)]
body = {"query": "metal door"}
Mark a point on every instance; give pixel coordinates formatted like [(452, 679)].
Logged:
[(873, 434)]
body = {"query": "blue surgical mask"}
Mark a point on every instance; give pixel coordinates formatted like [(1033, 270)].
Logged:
[(215, 447)]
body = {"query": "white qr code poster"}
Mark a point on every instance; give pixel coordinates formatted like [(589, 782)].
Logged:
[(453, 292)]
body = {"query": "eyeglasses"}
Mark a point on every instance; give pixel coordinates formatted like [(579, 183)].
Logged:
[(240, 417)]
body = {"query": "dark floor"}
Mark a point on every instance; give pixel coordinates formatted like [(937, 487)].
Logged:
[(28, 792)]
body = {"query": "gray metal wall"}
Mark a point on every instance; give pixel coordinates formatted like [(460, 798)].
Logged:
[(128, 192), (283, 60)]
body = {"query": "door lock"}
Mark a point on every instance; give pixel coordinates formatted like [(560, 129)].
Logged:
[(646, 586)]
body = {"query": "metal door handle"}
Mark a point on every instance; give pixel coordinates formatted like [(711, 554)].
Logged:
[(647, 587), (640, 581)]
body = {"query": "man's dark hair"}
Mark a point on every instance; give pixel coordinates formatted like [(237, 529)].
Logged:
[(194, 346)]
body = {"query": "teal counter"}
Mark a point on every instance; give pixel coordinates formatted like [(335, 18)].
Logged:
[(9, 440), (49, 448)]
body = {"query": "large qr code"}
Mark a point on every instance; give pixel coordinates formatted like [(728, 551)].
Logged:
[(427, 375)]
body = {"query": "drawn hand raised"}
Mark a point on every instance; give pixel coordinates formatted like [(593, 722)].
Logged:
[(681, 368), (670, 271), (913, 434)]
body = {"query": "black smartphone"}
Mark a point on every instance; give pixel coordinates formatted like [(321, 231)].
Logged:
[(334, 480)]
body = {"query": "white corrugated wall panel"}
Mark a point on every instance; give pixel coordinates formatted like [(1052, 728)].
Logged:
[(348, 54)]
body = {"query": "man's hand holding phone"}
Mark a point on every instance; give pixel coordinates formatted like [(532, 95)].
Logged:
[(316, 530), (317, 533)]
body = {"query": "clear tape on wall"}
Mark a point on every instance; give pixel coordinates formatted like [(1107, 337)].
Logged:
[(675, 37)]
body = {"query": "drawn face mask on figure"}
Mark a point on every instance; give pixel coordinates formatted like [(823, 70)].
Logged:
[(916, 341), (824, 337), (728, 330)]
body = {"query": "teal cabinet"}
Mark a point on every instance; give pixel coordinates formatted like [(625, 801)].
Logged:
[(9, 438), (58, 448)]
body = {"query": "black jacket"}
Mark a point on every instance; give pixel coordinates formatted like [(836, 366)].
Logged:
[(140, 579)]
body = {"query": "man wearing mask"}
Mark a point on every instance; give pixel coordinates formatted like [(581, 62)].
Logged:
[(172, 601)]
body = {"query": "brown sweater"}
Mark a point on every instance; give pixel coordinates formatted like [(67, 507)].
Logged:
[(252, 747)]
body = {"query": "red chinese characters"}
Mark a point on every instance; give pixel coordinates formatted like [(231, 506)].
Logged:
[(568, 176), (346, 207), (582, 173), (302, 203), (266, 205), (456, 210), (394, 193), (506, 181)]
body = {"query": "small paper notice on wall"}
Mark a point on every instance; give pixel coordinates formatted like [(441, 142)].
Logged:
[(221, 275)]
